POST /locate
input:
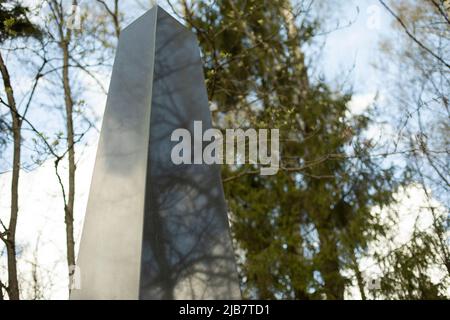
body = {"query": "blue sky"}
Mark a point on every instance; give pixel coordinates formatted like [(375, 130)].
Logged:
[(356, 47), (348, 52)]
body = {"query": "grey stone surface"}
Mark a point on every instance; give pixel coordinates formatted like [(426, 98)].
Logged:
[(155, 230)]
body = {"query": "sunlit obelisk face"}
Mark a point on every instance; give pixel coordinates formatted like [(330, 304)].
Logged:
[(154, 229)]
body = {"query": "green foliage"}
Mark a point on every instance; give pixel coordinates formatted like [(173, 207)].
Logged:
[(14, 22), (408, 270), (299, 230)]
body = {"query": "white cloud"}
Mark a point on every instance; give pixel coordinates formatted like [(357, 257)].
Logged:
[(361, 102)]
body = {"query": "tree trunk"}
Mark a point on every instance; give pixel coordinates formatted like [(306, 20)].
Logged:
[(359, 277), (69, 206), (116, 18), (329, 265), (69, 197), (10, 235)]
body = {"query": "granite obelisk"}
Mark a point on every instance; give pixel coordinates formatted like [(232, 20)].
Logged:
[(153, 229)]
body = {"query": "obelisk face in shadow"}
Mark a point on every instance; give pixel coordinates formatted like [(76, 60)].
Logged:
[(153, 229)]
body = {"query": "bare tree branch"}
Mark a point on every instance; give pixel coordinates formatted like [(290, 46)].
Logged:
[(405, 28)]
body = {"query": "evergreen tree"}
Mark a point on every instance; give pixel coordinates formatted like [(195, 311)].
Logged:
[(298, 232)]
